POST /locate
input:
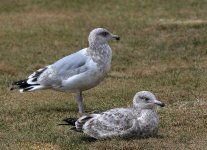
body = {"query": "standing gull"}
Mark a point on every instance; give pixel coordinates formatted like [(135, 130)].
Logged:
[(77, 72), (141, 120)]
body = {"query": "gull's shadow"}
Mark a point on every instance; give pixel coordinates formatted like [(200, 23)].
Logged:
[(142, 138), (159, 137), (88, 139), (91, 140)]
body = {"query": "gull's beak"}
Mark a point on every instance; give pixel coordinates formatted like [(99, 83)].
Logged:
[(116, 37), (157, 102)]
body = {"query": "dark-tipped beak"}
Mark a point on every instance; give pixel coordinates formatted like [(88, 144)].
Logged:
[(160, 103), (116, 37)]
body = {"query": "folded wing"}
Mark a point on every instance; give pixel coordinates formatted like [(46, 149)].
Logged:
[(53, 75), (112, 123)]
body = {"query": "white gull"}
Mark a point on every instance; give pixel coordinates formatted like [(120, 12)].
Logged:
[(141, 120), (77, 72)]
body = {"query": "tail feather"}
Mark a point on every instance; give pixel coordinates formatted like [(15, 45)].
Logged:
[(24, 86), (21, 83), (29, 84), (70, 121), (77, 123), (81, 121), (36, 74)]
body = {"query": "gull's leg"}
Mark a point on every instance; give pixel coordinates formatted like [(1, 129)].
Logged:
[(79, 100)]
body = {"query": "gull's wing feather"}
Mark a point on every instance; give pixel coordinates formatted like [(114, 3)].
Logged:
[(69, 63), (114, 122), (63, 69), (53, 75)]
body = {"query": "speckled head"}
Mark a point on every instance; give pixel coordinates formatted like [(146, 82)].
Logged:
[(146, 99), (101, 36)]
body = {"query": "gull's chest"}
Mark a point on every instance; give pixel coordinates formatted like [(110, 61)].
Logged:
[(97, 71), (101, 60), (149, 123)]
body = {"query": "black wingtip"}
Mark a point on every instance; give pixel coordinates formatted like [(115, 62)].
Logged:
[(70, 121), (20, 82)]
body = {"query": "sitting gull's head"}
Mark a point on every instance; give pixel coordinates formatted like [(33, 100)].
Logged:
[(101, 36), (145, 99)]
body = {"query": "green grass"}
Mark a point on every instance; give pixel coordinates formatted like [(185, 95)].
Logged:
[(163, 49)]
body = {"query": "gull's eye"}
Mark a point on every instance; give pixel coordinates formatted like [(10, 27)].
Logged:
[(147, 99), (104, 34)]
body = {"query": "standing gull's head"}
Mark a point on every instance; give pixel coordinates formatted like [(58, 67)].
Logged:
[(145, 99), (100, 36)]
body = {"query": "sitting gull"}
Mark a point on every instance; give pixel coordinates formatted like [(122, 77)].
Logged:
[(77, 72), (141, 120)]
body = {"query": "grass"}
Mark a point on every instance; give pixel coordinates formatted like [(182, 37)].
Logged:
[(163, 49)]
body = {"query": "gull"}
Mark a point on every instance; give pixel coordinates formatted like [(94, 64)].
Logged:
[(140, 120), (77, 72)]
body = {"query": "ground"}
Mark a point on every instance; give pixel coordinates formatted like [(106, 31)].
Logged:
[(163, 49)]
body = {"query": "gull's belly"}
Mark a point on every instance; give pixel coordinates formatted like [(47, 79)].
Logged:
[(83, 81)]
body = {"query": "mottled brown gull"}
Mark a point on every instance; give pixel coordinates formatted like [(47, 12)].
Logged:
[(141, 120), (77, 72)]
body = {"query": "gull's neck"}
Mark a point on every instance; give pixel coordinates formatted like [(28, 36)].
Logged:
[(138, 108), (102, 55), (144, 106), (97, 47)]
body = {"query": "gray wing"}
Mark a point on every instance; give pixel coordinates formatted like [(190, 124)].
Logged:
[(69, 63), (112, 123), (62, 69)]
